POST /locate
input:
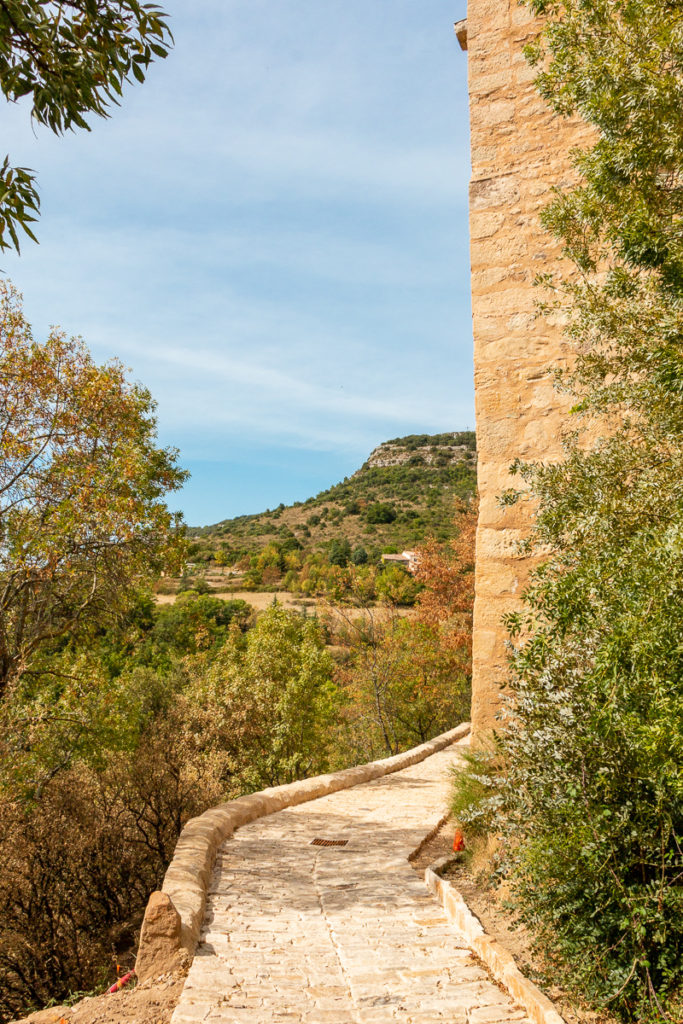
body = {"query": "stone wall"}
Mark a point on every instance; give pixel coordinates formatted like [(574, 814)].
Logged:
[(519, 150)]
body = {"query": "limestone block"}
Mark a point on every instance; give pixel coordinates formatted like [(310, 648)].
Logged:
[(160, 948), (493, 192), (537, 1005), (494, 955), (487, 224)]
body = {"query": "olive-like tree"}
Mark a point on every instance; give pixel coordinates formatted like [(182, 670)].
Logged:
[(72, 58)]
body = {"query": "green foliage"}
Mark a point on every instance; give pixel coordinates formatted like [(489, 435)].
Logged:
[(19, 204), (72, 59), (196, 585), (462, 439), (276, 684), (380, 512), (339, 552), (359, 556), (394, 505), (156, 636), (476, 790), (82, 480), (395, 585), (593, 792), (66, 710), (196, 621)]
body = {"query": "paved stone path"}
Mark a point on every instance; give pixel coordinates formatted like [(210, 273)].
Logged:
[(303, 934)]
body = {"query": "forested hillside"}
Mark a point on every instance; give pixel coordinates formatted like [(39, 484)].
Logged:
[(403, 494)]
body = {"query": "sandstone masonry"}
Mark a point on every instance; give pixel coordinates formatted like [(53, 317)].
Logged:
[(519, 151)]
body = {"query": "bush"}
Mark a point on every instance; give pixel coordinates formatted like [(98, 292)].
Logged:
[(339, 552), (80, 860), (396, 586), (197, 584), (380, 512), (359, 556), (594, 790), (593, 752)]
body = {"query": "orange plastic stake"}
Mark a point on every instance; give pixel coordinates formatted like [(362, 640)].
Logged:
[(121, 983), (458, 841)]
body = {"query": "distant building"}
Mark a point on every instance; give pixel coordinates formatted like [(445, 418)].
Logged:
[(410, 560)]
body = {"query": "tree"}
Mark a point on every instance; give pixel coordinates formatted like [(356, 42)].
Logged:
[(72, 57), (359, 556), (402, 685), (446, 572), (82, 480), (274, 690), (380, 512), (396, 586), (339, 552), (593, 784)]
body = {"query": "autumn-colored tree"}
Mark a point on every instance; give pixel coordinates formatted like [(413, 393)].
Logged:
[(401, 685), (447, 574), (82, 480), (408, 678)]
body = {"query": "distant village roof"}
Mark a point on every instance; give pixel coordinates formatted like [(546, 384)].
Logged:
[(410, 559)]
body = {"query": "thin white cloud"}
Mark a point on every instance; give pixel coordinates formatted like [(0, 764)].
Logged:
[(272, 231)]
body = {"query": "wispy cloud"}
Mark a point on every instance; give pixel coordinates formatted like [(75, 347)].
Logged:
[(272, 231)]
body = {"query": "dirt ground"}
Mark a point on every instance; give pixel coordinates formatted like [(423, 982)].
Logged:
[(150, 1003), (487, 904), (259, 601)]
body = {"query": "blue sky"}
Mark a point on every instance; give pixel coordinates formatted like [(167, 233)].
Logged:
[(272, 233)]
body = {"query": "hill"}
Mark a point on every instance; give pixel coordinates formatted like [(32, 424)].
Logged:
[(403, 493)]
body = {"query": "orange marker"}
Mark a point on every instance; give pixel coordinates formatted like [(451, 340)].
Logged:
[(118, 985), (458, 841)]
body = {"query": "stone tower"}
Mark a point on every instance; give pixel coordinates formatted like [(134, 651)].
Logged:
[(519, 150)]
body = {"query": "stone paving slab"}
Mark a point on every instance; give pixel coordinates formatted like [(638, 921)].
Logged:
[(303, 934)]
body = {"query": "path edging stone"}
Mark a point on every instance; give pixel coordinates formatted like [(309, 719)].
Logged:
[(495, 956), (188, 876)]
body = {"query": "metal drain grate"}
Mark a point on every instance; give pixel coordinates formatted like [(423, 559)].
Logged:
[(329, 842)]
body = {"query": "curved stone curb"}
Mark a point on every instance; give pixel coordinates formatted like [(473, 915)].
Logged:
[(499, 960), (187, 879)]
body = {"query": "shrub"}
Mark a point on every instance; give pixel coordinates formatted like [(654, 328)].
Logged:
[(80, 859), (593, 788), (339, 552), (380, 512)]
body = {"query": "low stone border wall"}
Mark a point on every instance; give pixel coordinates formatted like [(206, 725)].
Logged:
[(174, 916), (499, 960)]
